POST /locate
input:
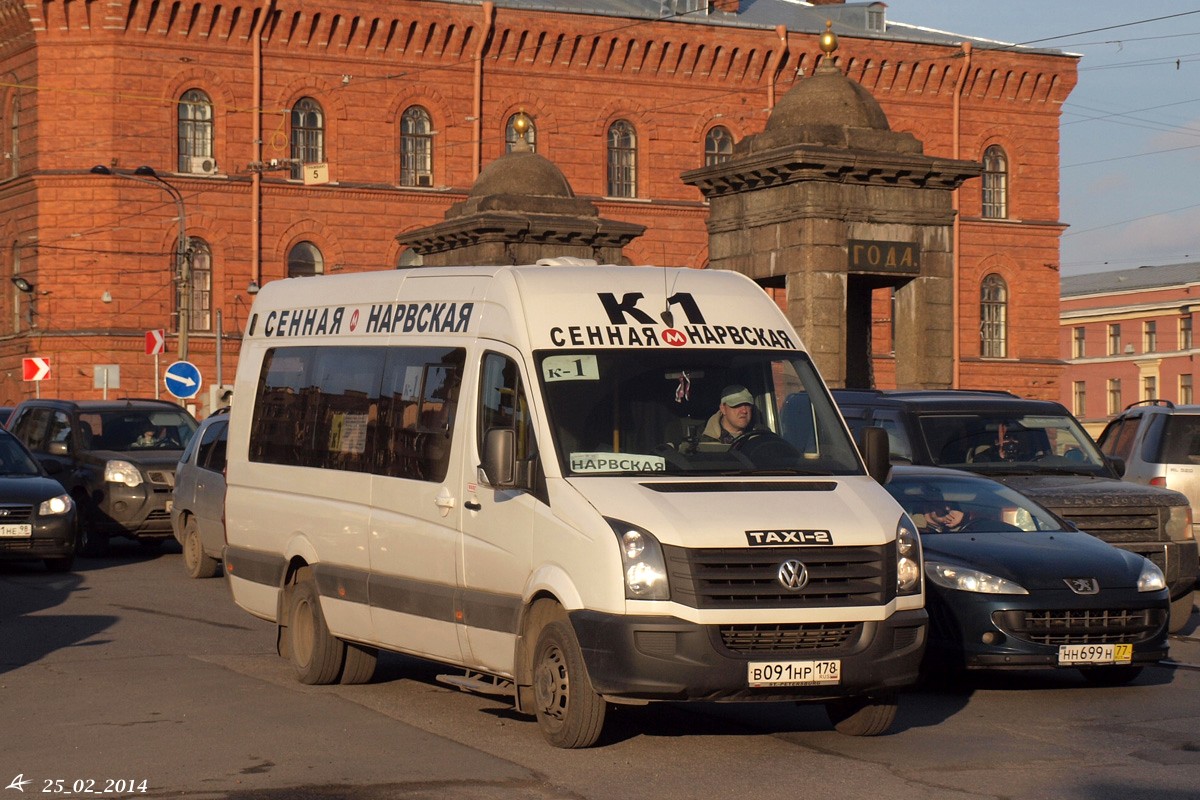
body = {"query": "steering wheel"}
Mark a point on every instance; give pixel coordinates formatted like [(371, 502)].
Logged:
[(765, 446)]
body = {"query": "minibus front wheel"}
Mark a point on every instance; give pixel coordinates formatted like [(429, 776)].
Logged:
[(569, 712)]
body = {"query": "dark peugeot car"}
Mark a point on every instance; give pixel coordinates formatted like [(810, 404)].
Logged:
[(1011, 585), (37, 517), (116, 458), (1039, 449)]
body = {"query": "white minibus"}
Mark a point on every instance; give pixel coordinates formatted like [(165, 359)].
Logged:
[(577, 485)]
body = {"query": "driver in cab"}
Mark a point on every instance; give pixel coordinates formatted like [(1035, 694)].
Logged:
[(734, 417)]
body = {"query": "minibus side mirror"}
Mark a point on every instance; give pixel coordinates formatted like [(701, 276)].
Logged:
[(498, 462), (876, 453)]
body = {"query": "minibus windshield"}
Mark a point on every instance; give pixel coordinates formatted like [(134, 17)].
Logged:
[(699, 411)]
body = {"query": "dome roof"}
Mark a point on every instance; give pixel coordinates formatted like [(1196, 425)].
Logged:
[(521, 172), (828, 98)]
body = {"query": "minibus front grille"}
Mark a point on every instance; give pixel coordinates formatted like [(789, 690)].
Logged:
[(750, 577), (788, 638)]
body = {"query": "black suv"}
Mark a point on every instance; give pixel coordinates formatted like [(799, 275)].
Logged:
[(116, 458), (1039, 449)]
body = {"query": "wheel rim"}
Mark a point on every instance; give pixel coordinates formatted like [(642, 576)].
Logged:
[(552, 684), (191, 553), (302, 633)]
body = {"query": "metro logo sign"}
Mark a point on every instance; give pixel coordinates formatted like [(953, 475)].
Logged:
[(35, 369), (155, 342)]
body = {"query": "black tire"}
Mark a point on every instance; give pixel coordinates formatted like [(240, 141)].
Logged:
[(315, 653), (92, 543), (863, 716), (1111, 676), (360, 664), (197, 563), (1181, 612), (569, 712)]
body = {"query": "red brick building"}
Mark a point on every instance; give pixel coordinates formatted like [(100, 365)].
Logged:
[(293, 138), (1127, 336)]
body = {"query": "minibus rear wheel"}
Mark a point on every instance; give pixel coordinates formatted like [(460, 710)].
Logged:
[(569, 712), (315, 653)]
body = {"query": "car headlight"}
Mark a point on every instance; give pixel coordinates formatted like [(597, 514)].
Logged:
[(644, 566), (118, 471), (1179, 524), (55, 506), (908, 557), (970, 580), (1151, 579)]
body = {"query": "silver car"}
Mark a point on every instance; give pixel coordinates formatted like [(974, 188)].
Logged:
[(1160, 445), (198, 504)]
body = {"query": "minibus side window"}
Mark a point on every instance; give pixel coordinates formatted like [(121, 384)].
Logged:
[(385, 411), (503, 404)]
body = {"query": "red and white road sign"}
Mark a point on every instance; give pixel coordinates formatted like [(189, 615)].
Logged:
[(155, 342), (35, 369)]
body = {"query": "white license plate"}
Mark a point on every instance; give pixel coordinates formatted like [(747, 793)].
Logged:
[(795, 673), (1095, 653), (15, 531)]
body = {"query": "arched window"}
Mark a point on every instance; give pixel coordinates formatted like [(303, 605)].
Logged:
[(995, 183), (993, 317), (510, 133), (200, 313), (718, 146), (622, 160), (305, 260), (308, 135), (196, 133), (416, 147)]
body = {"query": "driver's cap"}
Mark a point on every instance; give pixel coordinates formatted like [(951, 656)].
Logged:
[(736, 396)]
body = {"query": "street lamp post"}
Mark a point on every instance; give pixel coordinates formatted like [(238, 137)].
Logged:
[(183, 253)]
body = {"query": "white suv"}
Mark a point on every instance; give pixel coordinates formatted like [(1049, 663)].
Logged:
[(1160, 445)]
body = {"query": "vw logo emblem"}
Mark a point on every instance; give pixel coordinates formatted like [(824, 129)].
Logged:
[(793, 575)]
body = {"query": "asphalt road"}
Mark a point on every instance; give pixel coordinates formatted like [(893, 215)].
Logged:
[(128, 671)]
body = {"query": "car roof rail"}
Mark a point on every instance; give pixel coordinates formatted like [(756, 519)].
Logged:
[(1153, 402)]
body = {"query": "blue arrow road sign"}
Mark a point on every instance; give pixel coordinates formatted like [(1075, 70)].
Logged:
[(182, 379)]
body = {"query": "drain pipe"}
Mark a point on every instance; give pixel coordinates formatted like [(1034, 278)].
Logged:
[(489, 16), (955, 283), (256, 136)]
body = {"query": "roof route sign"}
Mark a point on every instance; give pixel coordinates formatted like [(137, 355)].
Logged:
[(35, 369), (182, 379)]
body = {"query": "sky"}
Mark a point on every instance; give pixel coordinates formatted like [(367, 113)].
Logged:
[(1130, 143)]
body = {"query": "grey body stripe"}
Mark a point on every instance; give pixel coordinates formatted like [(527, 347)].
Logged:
[(486, 610)]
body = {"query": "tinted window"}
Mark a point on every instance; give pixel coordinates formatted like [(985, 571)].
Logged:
[(388, 411), (1181, 439), (211, 455), (14, 459)]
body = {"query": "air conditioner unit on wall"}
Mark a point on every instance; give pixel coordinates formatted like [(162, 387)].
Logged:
[(202, 165)]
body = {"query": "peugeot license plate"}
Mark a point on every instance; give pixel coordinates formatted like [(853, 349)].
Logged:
[(1095, 654), (794, 673)]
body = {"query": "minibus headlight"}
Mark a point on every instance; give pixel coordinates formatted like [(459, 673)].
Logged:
[(908, 557), (55, 506), (642, 560), (118, 471), (1151, 579)]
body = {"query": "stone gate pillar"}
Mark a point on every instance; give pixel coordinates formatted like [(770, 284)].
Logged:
[(830, 203)]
